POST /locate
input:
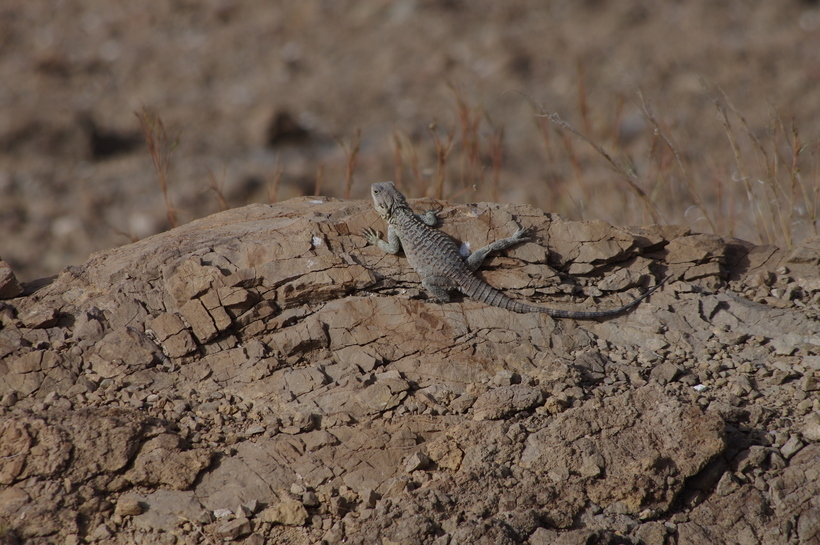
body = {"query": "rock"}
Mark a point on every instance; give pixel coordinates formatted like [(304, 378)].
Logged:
[(664, 373), (222, 513), (101, 533), (9, 286), (172, 334), (161, 461), (11, 500), (808, 526), (791, 447), (294, 378), (234, 529), (811, 427), (310, 499), (128, 506), (166, 509), (417, 461), (287, 512), (500, 402)]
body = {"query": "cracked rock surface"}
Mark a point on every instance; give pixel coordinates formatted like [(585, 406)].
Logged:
[(263, 374)]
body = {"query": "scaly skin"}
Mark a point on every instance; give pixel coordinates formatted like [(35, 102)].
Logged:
[(436, 259)]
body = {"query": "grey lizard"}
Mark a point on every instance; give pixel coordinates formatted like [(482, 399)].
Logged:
[(436, 259)]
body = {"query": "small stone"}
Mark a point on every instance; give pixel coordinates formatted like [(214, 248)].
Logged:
[(242, 511), (417, 461), (462, 403), (506, 377), (297, 489), (809, 383), (9, 286), (369, 498), (252, 506), (204, 517), (234, 529), (664, 373), (254, 429), (100, 533), (222, 513), (785, 345), (791, 447), (811, 427), (310, 499), (287, 512), (808, 525), (128, 507)]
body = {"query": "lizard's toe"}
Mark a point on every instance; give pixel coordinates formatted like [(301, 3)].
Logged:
[(524, 234), (371, 235)]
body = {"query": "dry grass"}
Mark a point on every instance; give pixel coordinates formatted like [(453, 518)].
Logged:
[(161, 150), (764, 187)]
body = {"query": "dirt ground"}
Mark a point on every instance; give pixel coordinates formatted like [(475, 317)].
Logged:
[(243, 84)]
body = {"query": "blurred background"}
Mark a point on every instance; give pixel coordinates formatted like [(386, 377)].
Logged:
[(703, 113)]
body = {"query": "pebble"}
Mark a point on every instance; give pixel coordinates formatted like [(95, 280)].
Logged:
[(222, 513), (128, 507), (417, 461)]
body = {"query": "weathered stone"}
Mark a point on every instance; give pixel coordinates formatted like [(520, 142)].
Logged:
[(664, 373), (128, 506), (811, 427), (167, 509), (173, 335), (9, 286), (120, 345), (234, 529), (200, 320), (287, 512), (500, 402), (416, 461), (161, 461)]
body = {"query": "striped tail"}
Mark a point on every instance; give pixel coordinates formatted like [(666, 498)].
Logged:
[(479, 290)]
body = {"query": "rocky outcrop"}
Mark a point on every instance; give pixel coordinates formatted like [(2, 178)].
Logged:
[(264, 374)]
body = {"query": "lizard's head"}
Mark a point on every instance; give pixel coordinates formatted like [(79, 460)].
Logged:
[(386, 198)]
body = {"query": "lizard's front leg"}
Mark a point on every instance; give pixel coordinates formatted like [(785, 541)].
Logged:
[(429, 218), (476, 258), (393, 244)]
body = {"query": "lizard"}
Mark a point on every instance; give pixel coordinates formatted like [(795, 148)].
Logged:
[(436, 258)]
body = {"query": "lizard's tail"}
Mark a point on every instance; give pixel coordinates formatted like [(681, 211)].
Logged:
[(481, 291)]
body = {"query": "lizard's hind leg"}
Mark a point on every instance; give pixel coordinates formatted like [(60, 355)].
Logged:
[(476, 258), (438, 287)]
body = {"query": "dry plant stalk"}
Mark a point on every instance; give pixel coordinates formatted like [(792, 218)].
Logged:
[(405, 150), (443, 149), (397, 158), (497, 155), (161, 150), (470, 121), (583, 106), (216, 186), (781, 192), (273, 187), (352, 156), (629, 177), (320, 176)]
